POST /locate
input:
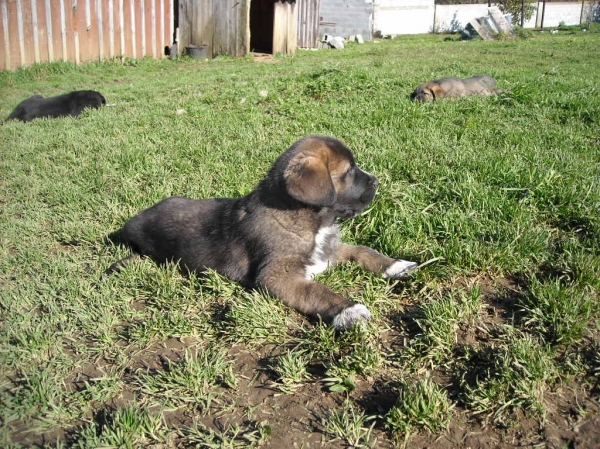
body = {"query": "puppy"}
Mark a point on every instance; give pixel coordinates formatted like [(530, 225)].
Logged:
[(279, 236), (455, 87), (60, 106)]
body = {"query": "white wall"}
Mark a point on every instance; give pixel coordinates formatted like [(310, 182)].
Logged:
[(403, 16), (456, 17), (569, 13), (419, 16)]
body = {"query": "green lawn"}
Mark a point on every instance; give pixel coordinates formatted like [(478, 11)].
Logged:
[(494, 343)]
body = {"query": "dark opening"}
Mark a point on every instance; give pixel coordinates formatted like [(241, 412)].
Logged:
[(168, 49), (262, 14)]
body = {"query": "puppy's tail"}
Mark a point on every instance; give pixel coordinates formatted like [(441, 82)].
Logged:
[(115, 238), (119, 265)]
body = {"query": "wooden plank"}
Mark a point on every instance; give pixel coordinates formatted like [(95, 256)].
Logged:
[(133, 30), (244, 28), (218, 40), (161, 25), (100, 28), (35, 30), (21, 33), (56, 30), (171, 22), (142, 22), (74, 31), (75, 24), (239, 29), (292, 29), (105, 28), (307, 33), (201, 22), (111, 29), (153, 27), (5, 63), (49, 30), (63, 31), (70, 30), (185, 25), (93, 32), (13, 29), (42, 34), (80, 30), (279, 28), (121, 27), (230, 28), (28, 32)]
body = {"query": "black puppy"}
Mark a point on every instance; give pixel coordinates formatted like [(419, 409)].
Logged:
[(60, 106)]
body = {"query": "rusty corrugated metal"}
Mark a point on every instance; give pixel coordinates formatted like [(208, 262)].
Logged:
[(34, 31), (308, 23)]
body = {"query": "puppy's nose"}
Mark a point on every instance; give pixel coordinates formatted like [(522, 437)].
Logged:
[(374, 182)]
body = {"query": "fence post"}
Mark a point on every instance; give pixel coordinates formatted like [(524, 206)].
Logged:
[(522, 13), (543, 12)]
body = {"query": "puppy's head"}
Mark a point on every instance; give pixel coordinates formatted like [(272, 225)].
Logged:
[(321, 171), (426, 92), (98, 99), (91, 98)]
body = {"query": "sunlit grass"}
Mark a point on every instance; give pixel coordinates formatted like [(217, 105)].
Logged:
[(501, 193)]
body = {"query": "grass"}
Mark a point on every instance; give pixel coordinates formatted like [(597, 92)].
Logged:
[(502, 195), (424, 405)]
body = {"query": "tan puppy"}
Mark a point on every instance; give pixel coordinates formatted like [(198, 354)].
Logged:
[(455, 87), (279, 236)]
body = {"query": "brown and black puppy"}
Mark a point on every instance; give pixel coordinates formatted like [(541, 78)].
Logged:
[(60, 106), (279, 236), (455, 87)]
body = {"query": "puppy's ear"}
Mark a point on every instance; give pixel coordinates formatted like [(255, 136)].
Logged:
[(436, 91), (307, 180)]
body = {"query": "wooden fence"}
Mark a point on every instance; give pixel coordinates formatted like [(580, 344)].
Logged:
[(34, 31), (308, 23)]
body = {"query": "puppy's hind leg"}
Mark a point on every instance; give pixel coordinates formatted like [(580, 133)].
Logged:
[(375, 262)]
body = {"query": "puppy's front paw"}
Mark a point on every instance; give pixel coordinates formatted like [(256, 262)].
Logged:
[(351, 315), (400, 269)]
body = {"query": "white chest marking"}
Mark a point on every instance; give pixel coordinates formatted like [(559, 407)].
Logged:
[(320, 258)]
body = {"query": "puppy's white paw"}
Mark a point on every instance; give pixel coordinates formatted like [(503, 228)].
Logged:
[(400, 269), (351, 315)]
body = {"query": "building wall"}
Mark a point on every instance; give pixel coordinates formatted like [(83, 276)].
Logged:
[(393, 17), (403, 16), (346, 17), (569, 13), (450, 18)]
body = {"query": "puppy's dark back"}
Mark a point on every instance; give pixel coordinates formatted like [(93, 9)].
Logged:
[(63, 105)]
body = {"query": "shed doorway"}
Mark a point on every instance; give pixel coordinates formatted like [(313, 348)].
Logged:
[(262, 15)]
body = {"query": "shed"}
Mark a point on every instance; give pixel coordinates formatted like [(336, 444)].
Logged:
[(237, 27)]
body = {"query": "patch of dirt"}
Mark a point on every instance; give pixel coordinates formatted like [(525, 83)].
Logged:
[(296, 420), (264, 57)]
